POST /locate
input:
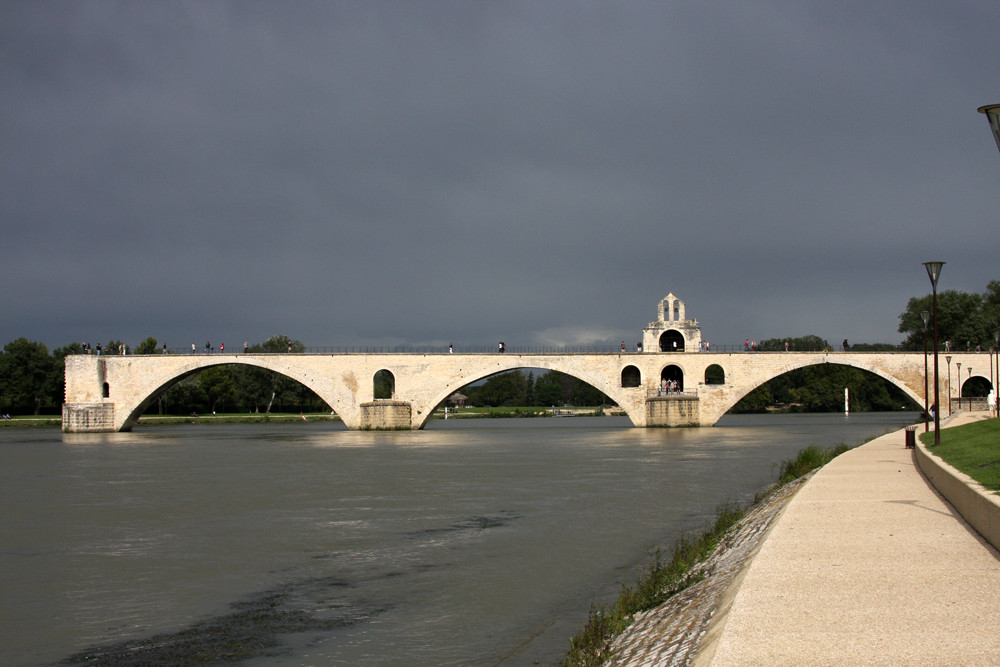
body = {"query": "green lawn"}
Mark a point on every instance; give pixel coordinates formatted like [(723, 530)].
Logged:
[(973, 448), (31, 420)]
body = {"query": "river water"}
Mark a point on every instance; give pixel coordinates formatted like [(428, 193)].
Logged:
[(472, 542)]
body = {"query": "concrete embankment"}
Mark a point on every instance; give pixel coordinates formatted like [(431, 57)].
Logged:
[(864, 563)]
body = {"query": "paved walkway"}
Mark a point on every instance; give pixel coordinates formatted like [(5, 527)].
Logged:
[(867, 565)]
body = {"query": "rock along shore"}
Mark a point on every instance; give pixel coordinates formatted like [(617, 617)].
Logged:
[(679, 630)]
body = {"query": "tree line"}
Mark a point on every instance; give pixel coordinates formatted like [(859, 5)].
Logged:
[(516, 389), (966, 320)]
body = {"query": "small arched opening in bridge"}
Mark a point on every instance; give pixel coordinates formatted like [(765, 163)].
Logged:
[(974, 387), (384, 384), (106, 390), (673, 376), (715, 374), (671, 340), (631, 377)]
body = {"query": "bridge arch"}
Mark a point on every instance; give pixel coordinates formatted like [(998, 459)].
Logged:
[(135, 403), (624, 397), (760, 379)]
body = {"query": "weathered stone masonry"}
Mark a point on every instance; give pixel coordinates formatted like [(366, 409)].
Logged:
[(109, 393)]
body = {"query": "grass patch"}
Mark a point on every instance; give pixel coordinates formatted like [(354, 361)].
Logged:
[(25, 421), (972, 448), (662, 579), (239, 418), (505, 412)]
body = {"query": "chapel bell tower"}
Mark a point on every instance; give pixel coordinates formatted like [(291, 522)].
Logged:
[(671, 332)]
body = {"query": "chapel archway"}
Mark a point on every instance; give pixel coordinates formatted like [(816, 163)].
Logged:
[(673, 376), (671, 341)]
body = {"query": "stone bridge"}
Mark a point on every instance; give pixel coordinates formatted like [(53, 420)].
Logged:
[(110, 393)]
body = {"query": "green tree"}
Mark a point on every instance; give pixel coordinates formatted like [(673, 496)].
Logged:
[(548, 391), (185, 397), (147, 346), (963, 318), (587, 394), (275, 385), (28, 378), (808, 343), (217, 384), (504, 389), (529, 390)]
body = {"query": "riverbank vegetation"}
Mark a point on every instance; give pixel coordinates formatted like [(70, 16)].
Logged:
[(972, 449), (664, 578)]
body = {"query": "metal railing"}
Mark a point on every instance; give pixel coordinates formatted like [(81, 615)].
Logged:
[(684, 393), (515, 350)]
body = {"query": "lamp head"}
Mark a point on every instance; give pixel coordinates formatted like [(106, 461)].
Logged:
[(933, 272), (925, 315), (992, 112)]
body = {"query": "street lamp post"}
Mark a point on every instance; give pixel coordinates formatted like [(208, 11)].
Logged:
[(934, 272), (947, 360), (996, 394), (992, 113), (960, 391), (993, 383), (958, 365), (926, 317)]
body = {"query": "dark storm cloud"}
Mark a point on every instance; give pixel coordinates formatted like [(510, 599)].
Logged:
[(350, 173)]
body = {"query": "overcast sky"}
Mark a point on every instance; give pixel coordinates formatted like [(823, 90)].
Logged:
[(541, 173)]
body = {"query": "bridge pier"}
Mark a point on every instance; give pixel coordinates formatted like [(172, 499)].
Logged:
[(88, 417), (386, 415), (672, 410)]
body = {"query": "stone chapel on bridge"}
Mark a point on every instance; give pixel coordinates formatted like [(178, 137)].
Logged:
[(671, 332)]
